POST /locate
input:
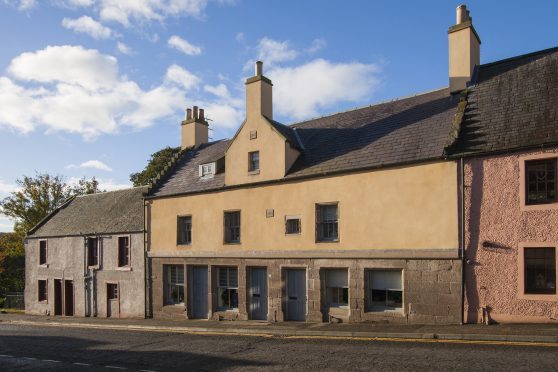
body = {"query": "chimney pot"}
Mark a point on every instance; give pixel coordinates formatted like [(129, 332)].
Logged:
[(195, 112), (462, 14), (202, 115), (259, 68), (189, 114)]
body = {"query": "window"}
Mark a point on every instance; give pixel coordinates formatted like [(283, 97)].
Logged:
[(540, 181), (292, 225), (232, 227), (43, 290), (540, 270), (207, 170), (336, 287), (42, 252), (174, 284), (327, 223), (112, 291), (383, 290), (92, 251), (123, 251), (227, 288), (185, 230), (253, 161)]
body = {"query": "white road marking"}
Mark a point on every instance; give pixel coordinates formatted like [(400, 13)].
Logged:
[(114, 367), (51, 361), (81, 364), (29, 358), (6, 356)]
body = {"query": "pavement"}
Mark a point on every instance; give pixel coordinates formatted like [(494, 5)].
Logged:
[(510, 333)]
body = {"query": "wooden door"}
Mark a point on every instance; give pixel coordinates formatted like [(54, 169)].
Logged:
[(257, 293), (58, 300), (199, 292), (295, 294), (68, 298), (113, 305)]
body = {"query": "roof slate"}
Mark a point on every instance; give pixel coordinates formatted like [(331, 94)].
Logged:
[(407, 130), (109, 212), (512, 105)]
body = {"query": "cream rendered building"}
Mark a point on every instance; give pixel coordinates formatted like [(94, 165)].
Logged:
[(348, 217)]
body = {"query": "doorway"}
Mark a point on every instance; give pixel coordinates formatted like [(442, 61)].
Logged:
[(69, 297), (58, 297), (257, 293), (198, 292), (295, 294), (113, 307)]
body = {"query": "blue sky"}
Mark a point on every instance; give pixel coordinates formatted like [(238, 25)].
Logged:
[(92, 87)]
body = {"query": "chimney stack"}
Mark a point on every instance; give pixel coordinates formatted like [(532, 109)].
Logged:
[(259, 94), (194, 129), (464, 50)]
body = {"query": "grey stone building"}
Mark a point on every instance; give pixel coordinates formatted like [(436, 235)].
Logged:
[(87, 258)]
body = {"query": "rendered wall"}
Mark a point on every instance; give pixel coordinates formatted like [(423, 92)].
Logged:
[(494, 213), (404, 209), (66, 261)]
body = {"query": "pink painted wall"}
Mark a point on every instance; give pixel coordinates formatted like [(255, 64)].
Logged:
[(492, 213)]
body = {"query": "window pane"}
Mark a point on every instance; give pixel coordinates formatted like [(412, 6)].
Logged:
[(327, 222), (293, 226), (232, 227), (185, 230), (540, 270), (540, 181), (384, 290)]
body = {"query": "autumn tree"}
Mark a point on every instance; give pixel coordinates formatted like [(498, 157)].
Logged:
[(155, 165)]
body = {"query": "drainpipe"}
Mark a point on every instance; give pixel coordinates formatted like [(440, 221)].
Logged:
[(146, 271), (462, 222), (85, 277)]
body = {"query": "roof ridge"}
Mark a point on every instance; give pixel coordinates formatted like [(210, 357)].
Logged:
[(367, 106), (515, 58), (109, 191)]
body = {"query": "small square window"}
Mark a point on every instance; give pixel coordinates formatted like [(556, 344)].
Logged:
[(185, 230), (42, 252), (253, 161), (253, 134), (123, 251), (112, 291), (540, 270), (292, 225), (43, 290), (207, 170), (232, 227), (327, 223), (540, 181)]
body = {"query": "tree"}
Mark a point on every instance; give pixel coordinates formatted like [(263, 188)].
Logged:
[(12, 263), (156, 164)]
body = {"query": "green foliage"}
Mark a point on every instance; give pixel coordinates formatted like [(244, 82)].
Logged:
[(12, 263), (155, 166)]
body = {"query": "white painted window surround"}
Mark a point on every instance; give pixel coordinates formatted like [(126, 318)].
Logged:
[(207, 170)]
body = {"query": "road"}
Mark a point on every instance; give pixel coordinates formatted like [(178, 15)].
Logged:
[(63, 349)]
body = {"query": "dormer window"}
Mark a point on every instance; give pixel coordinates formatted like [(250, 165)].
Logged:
[(253, 161), (207, 170)]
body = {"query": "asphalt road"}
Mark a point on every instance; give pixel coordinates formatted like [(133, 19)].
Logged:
[(61, 349)]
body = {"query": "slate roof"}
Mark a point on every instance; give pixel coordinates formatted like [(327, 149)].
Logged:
[(408, 130), (513, 104), (109, 212)]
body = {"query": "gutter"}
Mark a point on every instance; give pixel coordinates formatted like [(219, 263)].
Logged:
[(462, 243)]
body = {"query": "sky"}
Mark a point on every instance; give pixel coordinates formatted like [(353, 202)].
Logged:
[(93, 87)]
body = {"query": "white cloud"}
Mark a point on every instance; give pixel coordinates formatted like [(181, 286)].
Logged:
[(77, 90), (87, 25), (21, 5), (6, 188), (240, 37), (317, 44), (94, 164), (124, 11), (75, 3), (300, 92), (179, 75), (271, 51), (184, 46), (104, 184), (124, 49)]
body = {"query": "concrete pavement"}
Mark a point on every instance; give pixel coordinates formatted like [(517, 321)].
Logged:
[(514, 333)]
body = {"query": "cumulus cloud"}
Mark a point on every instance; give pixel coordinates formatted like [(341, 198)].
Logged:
[(272, 51), (181, 76), (125, 11), (72, 4), (94, 164), (183, 46), (87, 25), (124, 49), (78, 90), (300, 92), (21, 5)]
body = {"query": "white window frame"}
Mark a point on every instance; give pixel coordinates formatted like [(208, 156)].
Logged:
[(207, 170), (227, 287)]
